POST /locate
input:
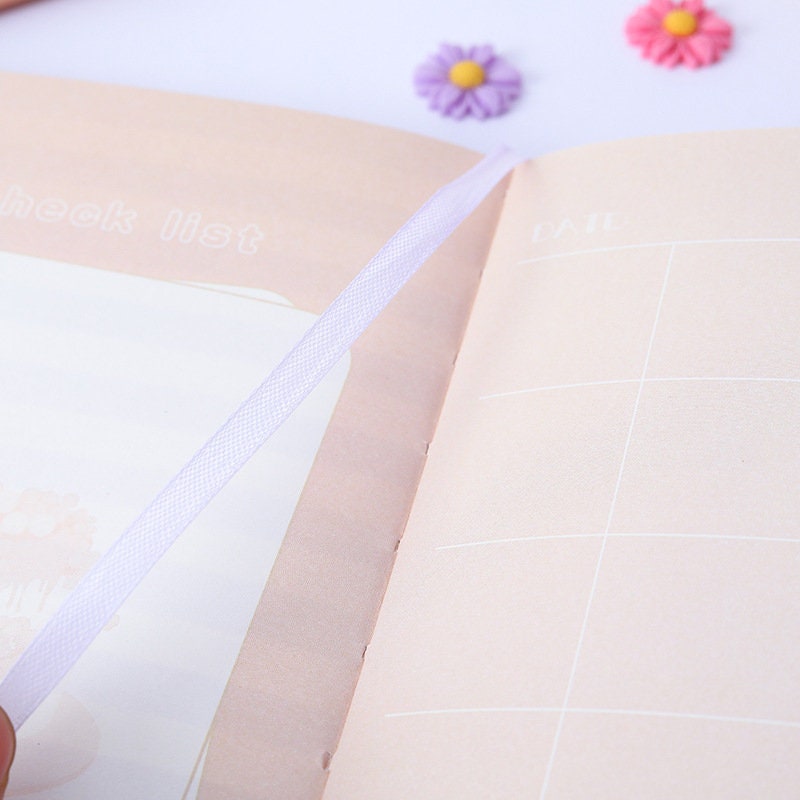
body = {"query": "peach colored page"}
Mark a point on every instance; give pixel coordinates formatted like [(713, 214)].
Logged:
[(235, 195), (597, 592)]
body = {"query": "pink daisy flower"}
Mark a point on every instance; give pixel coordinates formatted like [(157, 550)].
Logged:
[(685, 32), (462, 81)]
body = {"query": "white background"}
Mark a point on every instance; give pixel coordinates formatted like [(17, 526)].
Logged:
[(355, 58)]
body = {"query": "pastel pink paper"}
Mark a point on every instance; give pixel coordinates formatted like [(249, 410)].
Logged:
[(705, 46)]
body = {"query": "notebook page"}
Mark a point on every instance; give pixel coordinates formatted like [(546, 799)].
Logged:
[(596, 594), (105, 387), (140, 188)]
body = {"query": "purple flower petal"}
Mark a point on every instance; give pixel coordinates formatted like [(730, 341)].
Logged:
[(490, 99), (483, 54), (494, 96), (475, 108), (433, 67), (446, 98), (451, 54), (427, 77), (502, 72), (461, 107)]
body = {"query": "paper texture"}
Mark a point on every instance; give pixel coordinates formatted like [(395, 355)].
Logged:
[(596, 594), (239, 198), (106, 387)]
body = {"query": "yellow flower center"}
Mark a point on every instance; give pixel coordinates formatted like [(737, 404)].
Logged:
[(467, 74), (680, 23)]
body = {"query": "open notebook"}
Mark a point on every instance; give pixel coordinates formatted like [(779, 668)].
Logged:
[(568, 453)]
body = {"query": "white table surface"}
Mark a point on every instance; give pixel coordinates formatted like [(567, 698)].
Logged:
[(355, 58)]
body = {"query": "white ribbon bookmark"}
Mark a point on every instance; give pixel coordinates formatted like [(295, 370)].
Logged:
[(98, 596)]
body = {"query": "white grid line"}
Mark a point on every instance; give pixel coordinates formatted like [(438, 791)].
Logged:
[(633, 712), (710, 379), (564, 709), (546, 537), (611, 510), (615, 248)]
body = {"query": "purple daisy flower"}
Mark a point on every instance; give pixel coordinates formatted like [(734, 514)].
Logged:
[(461, 81)]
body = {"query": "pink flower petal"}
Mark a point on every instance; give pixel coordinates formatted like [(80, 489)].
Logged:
[(644, 29), (711, 23), (686, 54), (671, 59), (644, 21), (661, 7), (660, 46), (639, 38), (638, 29), (703, 49)]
